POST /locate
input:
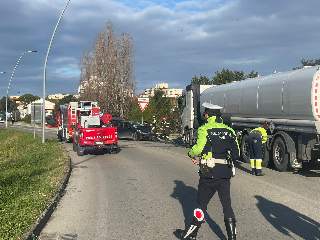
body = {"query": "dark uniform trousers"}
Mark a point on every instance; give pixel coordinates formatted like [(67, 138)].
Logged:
[(255, 147), (165, 130), (208, 187)]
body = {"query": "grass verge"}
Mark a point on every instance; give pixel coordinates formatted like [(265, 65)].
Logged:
[(30, 175)]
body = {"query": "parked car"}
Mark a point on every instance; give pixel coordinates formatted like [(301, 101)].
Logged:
[(116, 119), (134, 130), (1, 120)]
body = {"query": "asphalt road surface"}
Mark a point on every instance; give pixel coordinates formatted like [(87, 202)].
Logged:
[(149, 189)]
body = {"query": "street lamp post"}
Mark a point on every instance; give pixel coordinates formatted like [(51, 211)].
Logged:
[(2, 72), (44, 75), (10, 82)]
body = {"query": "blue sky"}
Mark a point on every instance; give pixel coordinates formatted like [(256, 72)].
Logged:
[(173, 40)]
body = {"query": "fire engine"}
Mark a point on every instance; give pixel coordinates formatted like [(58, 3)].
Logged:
[(93, 132), (67, 119)]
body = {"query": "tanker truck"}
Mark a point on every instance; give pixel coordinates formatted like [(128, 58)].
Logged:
[(289, 102)]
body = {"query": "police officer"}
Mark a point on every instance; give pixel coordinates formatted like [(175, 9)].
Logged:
[(218, 145), (256, 138)]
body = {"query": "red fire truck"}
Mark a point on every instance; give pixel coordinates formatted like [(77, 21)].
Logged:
[(93, 132), (67, 119)]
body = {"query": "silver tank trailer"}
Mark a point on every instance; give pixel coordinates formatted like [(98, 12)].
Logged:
[(293, 95)]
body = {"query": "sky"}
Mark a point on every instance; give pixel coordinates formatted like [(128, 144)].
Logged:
[(173, 40)]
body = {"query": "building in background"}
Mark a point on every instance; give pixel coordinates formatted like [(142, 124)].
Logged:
[(57, 96), (164, 87), (49, 105)]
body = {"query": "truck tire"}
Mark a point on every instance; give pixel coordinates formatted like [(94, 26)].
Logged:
[(114, 151), (59, 135), (75, 147), (80, 150), (245, 153), (265, 156), (279, 154), (66, 139)]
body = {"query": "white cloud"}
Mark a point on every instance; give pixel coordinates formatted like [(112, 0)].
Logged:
[(173, 40)]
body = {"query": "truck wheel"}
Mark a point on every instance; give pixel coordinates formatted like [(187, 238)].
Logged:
[(66, 139), (245, 153), (80, 150), (59, 135), (265, 156), (75, 147), (280, 157), (114, 151)]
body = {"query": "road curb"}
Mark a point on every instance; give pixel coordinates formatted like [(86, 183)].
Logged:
[(35, 229)]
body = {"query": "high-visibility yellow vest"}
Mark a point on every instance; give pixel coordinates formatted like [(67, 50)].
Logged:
[(263, 133)]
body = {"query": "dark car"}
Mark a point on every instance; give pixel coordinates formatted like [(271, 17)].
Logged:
[(134, 130)]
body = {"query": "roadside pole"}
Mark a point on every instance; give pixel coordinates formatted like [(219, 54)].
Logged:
[(34, 121)]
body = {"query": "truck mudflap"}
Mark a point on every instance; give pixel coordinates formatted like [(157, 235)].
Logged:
[(315, 153)]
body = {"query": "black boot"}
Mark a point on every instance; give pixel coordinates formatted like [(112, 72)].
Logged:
[(260, 174), (191, 233), (231, 228)]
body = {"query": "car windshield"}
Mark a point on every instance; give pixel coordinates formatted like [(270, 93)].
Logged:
[(136, 124)]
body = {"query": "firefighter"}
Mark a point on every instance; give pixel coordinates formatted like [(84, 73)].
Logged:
[(256, 138), (218, 146), (154, 128), (165, 127)]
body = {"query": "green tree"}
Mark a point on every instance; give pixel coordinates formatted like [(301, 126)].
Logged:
[(305, 62), (252, 74), (66, 99), (175, 120), (27, 98), (227, 76), (203, 80), (12, 105), (159, 106)]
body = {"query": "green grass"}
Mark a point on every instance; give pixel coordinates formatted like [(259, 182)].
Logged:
[(30, 175)]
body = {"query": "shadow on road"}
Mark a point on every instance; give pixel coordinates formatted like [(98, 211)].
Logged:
[(238, 165), (187, 197), (286, 220)]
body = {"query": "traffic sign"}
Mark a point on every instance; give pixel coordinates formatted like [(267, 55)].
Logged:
[(143, 100), (143, 103)]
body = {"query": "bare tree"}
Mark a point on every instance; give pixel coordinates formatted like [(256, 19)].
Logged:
[(107, 73)]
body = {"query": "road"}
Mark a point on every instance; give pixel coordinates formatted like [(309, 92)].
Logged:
[(149, 189)]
